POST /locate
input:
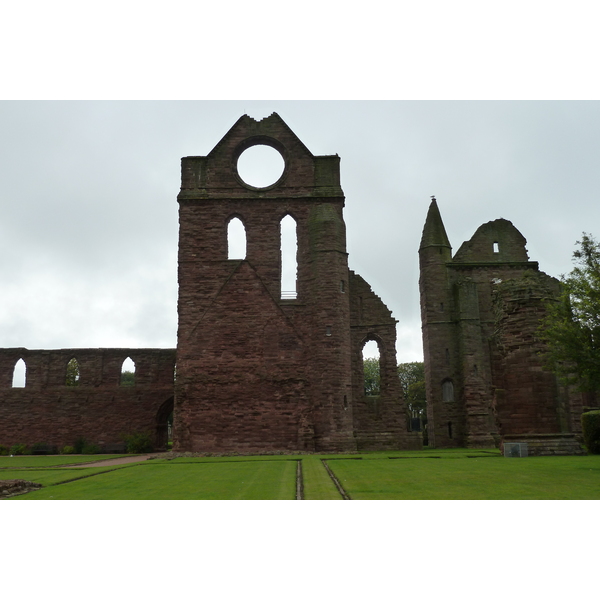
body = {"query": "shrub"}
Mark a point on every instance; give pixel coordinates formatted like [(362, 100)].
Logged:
[(590, 423), (79, 444), (43, 448), (90, 449), (3, 450), (138, 443), (68, 450), (17, 449)]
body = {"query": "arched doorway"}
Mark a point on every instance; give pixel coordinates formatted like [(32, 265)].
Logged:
[(164, 425)]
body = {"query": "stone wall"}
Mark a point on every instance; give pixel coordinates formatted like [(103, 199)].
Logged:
[(380, 422), (480, 311), (257, 371), (98, 408)]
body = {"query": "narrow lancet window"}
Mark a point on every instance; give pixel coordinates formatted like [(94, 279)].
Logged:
[(496, 248), (19, 374), (236, 240), (371, 368), (72, 377), (289, 258), (128, 373)]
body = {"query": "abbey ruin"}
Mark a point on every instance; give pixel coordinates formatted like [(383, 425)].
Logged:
[(260, 369)]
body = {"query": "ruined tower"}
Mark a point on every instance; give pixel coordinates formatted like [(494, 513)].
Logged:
[(480, 311), (259, 370)]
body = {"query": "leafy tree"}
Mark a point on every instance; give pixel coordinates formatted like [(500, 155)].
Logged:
[(127, 378), (372, 376), (72, 373), (571, 328), (416, 399), (412, 381)]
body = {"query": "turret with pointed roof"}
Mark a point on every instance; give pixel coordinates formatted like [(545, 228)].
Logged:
[(434, 232)]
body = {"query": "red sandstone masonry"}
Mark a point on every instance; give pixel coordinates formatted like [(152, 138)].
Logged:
[(98, 409), (480, 312), (255, 372)]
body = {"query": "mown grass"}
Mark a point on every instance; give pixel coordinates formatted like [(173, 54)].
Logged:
[(264, 480), (427, 475), (12, 462), (317, 483), (49, 476), (534, 478)]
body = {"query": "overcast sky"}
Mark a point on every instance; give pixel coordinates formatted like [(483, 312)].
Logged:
[(88, 217), (88, 210)]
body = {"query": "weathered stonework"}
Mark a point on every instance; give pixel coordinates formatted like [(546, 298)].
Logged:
[(98, 409), (255, 372), (480, 313), (258, 371)]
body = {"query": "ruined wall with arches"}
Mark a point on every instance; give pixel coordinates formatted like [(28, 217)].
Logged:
[(380, 420), (271, 326), (267, 361), (55, 404)]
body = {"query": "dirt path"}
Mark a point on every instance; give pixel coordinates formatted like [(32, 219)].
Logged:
[(117, 461)]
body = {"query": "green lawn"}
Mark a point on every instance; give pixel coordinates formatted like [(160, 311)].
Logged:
[(427, 475), (49, 476), (317, 483), (12, 462), (534, 478), (258, 480)]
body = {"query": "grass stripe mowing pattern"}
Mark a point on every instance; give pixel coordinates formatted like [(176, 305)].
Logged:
[(533, 478), (317, 483), (49, 476), (13, 462), (264, 480)]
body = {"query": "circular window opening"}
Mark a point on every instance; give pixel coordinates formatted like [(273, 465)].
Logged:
[(260, 166)]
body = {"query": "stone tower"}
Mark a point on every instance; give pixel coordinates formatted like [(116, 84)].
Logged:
[(257, 371), (480, 311)]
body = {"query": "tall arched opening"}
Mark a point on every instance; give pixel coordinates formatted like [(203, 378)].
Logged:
[(164, 425)]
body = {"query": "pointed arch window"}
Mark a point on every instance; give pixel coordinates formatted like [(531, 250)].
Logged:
[(371, 368), (19, 379), (128, 373), (236, 239), (289, 258), (72, 374)]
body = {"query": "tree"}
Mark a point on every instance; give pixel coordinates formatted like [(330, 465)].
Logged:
[(72, 378), (412, 381), (416, 399), (372, 376), (127, 378), (571, 328)]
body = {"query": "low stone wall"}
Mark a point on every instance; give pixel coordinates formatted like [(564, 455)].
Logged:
[(98, 408), (559, 444)]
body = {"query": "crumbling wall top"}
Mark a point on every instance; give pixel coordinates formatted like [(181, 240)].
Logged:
[(498, 241)]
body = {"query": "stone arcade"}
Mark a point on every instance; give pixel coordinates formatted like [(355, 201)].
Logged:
[(259, 370)]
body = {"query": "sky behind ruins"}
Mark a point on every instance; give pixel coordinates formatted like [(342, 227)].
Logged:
[(88, 229), (88, 210)]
